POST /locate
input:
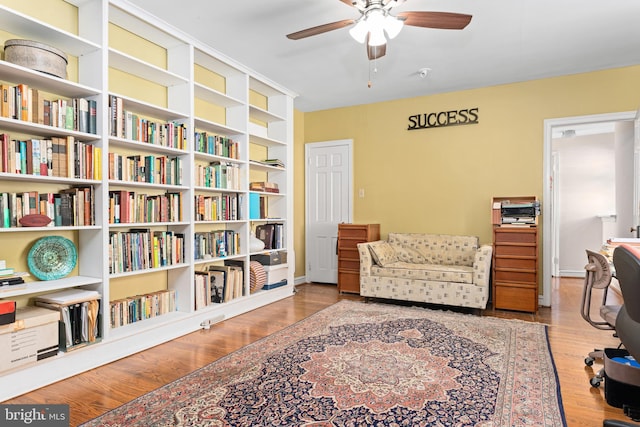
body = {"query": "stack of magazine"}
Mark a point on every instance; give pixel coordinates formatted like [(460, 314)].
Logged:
[(79, 315)]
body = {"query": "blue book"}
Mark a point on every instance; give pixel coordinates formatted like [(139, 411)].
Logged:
[(254, 206)]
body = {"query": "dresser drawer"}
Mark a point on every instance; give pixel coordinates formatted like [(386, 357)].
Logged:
[(348, 243), (514, 298), (520, 263), (515, 236), (516, 250), (348, 282), (529, 277), (352, 254), (359, 233), (349, 264)]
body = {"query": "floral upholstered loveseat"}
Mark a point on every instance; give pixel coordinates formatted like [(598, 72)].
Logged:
[(432, 268)]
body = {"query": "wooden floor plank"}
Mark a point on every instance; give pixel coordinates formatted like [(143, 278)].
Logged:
[(94, 392)]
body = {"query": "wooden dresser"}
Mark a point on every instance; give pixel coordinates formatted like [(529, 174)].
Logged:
[(349, 235), (515, 268)]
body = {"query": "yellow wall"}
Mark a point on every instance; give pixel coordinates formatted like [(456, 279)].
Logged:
[(442, 180)]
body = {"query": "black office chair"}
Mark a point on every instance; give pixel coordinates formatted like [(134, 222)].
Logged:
[(598, 276), (626, 260)]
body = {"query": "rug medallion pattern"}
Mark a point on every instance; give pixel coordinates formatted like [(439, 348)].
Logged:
[(356, 364)]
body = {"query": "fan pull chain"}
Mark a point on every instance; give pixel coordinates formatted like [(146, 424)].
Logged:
[(375, 70)]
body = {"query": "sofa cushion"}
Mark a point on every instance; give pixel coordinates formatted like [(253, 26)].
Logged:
[(431, 272), (439, 249), (407, 254), (382, 253)]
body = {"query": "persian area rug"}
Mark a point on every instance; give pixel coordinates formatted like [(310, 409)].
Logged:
[(366, 364)]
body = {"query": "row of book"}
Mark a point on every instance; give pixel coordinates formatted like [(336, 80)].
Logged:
[(268, 187), (126, 207), (141, 307), (272, 235), (62, 157), (22, 102), (216, 244), (152, 169), (258, 206), (219, 207), (220, 283), (69, 207), (143, 249), (216, 144), (218, 175), (128, 125)]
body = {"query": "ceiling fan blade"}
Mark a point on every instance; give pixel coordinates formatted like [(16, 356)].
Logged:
[(375, 52), (320, 29), (348, 2), (440, 20)]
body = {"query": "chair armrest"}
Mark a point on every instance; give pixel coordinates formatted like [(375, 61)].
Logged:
[(366, 260), (482, 265)]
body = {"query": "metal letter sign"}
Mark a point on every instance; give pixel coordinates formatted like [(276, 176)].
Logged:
[(467, 116)]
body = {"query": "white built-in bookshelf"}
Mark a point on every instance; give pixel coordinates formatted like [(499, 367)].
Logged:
[(193, 89)]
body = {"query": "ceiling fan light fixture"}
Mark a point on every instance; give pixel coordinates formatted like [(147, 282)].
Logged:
[(360, 30), (392, 25), (376, 37)]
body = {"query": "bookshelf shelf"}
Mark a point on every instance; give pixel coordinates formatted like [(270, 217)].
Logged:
[(14, 72), (264, 115), (215, 97), (46, 179), (136, 328), (178, 83), (56, 229), (30, 288), (146, 185), (217, 128), (265, 141), (148, 270), (13, 125), (30, 28), (151, 110), (130, 144), (255, 165), (128, 64)]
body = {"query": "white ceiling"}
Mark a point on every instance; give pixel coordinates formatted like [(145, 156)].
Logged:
[(506, 41)]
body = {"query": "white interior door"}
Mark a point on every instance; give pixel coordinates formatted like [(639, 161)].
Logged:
[(329, 184)]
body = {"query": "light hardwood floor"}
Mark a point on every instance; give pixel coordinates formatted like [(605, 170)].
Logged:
[(99, 390)]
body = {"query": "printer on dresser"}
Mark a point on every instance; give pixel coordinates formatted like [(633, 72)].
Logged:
[(515, 253)]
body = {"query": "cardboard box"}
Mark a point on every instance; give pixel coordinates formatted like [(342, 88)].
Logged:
[(274, 285), (7, 312), (271, 258), (276, 273), (32, 337)]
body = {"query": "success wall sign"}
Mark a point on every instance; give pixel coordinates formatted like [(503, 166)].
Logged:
[(467, 116)]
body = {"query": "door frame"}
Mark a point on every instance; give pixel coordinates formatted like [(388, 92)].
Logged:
[(549, 238), (307, 191)]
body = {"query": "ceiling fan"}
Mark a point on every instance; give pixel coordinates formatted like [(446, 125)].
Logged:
[(376, 20)]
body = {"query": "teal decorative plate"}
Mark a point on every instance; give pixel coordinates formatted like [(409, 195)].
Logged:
[(52, 257)]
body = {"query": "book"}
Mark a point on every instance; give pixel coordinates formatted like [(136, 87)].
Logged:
[(37, 107), (217, 286), (5, 100), (223, 282), (7, 271), (83, 115)]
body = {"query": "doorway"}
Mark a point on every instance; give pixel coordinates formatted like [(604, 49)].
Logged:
[(328, 202), (623, 214)]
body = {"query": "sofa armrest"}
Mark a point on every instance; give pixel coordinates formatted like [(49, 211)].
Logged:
[(366, 260), (482, 265)]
